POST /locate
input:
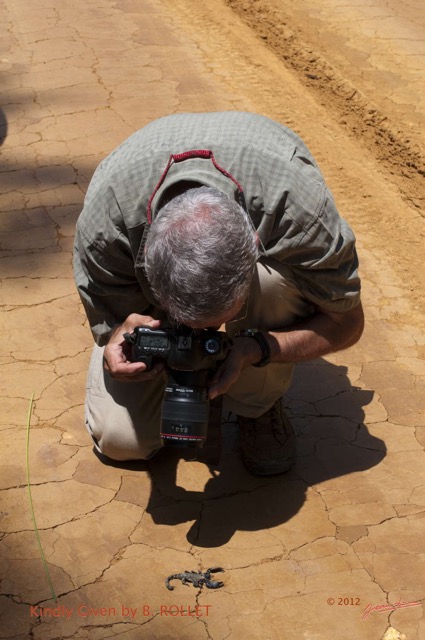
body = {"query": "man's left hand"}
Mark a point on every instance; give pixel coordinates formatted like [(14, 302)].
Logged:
[(244, 353)]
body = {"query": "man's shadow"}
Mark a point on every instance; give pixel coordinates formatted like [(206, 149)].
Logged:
[(332, 441), (3, 126)]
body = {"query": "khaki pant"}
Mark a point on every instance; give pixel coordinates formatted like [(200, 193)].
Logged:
[(123, 418)]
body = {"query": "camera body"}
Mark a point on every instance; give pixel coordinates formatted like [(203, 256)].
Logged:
[(184, 349), (191, 357)]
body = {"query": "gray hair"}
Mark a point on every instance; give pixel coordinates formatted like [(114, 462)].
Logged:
[(200, 255)]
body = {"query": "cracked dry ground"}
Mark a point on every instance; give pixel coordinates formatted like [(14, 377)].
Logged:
[(347, 523)]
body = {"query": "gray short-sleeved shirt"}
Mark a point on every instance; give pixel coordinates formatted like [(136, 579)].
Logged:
[(286, 196)]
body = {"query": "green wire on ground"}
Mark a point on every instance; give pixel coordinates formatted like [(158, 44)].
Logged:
[(37, 535)]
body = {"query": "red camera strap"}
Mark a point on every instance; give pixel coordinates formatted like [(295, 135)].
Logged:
[(187, 155)]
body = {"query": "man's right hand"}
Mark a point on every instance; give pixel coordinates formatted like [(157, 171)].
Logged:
[(117, 354)]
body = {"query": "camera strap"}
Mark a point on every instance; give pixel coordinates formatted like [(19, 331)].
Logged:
[(187, 155)]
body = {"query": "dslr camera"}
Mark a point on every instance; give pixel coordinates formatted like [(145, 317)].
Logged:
[(191, 357)]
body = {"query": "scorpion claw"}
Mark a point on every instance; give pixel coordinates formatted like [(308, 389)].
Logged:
[(215, 570), (213, 584)]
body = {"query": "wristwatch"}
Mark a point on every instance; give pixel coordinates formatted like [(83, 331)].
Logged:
[(261, 341)]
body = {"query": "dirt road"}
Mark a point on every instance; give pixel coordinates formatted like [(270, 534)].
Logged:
[(366, 62), (304, 554)]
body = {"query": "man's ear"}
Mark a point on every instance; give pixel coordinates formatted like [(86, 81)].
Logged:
[(257, 239)]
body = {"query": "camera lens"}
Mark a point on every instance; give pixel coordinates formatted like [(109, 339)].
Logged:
[(185, 409), (212, 346)]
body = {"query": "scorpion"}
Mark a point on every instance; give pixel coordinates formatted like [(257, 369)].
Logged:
[(197, 578)]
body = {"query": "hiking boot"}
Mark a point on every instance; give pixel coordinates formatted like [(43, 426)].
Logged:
[(267, 442)]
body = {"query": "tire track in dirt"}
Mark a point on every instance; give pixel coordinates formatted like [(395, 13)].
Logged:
[(255, 79), (401, 156)]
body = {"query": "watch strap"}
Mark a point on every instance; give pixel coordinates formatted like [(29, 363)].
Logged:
[(263, 344)]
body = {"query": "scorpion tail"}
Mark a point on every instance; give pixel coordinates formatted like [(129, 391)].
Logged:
[(168, 585)]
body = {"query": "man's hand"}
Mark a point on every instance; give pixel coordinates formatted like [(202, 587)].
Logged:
[(322, 333), (244, 353), (117, 354)]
